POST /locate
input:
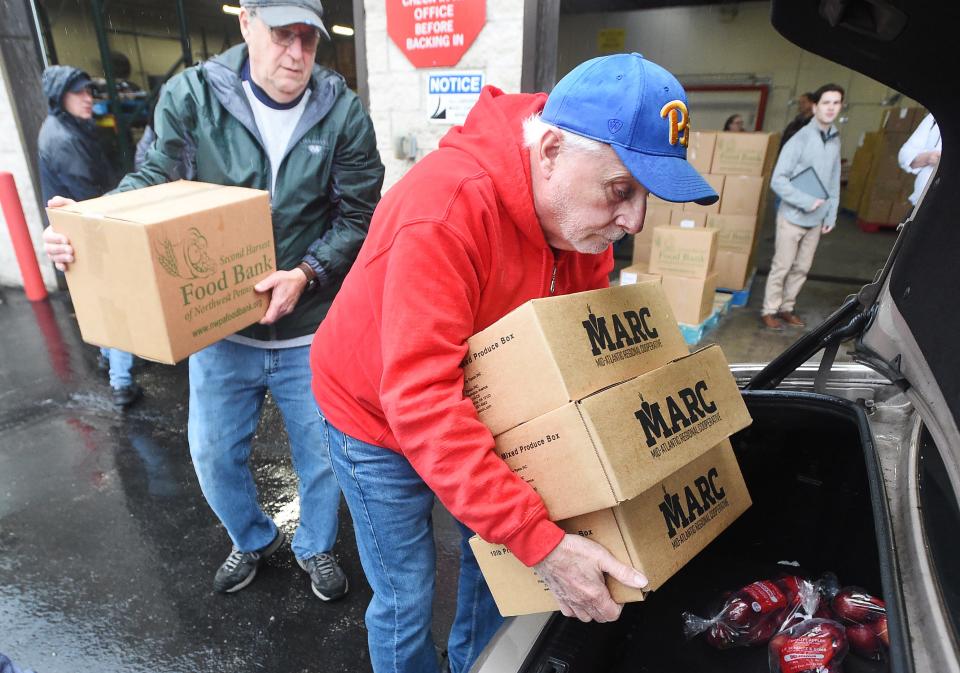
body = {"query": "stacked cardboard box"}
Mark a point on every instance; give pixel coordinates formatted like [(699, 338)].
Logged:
[(594, 400), (877, 188), (738, 166), (684, 257)]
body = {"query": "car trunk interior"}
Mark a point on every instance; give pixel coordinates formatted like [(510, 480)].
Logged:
[(806, 463)]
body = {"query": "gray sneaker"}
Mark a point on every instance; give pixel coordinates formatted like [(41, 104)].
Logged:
[(326, 577), (241, 567)]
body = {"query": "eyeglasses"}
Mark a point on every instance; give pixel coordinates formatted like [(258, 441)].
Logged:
[(284, 37)]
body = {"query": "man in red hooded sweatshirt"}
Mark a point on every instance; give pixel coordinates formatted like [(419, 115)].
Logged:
[(523, 201)]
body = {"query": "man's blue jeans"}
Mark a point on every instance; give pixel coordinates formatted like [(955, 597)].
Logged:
[(391, 508), (228, 383), (120, 365)]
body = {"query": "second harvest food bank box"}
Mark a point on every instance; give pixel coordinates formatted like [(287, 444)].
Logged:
[(165, 271), (657, 533), (549, 352)]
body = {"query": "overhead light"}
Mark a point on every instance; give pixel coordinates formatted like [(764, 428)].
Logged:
[(231, 9), (347, 31)]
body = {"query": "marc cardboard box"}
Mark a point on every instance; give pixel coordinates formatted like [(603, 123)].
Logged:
[(715, 181), (735, 233), (656, 216), (612, 445), (740, 153), (690, 298), (165, 271), (638, 273), (552, 351), (733, 269), (658, 532), (700, 149), (683, 252), (741, 195)]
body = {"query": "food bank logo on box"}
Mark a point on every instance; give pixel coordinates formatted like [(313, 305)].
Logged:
[(686, 512), (622, 335), (190, 261), (690, 411), (186, 259)]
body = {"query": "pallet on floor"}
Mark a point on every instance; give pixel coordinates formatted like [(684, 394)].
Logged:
[(740, 297), (722, 301), (692, 334)]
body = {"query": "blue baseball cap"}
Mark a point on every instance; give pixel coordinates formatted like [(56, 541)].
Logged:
[(641, 111)]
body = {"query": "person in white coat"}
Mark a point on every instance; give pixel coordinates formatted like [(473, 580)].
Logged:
[(920, 155)]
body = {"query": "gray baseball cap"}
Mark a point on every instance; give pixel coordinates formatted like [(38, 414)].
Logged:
[(286, 12)]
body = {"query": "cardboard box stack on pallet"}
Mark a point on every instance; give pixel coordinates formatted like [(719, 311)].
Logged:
[(877, 188), (738, 166), (594, 400)]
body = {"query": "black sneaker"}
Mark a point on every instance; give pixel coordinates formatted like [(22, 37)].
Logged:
[(241, 567), (124, 397), (326, 578)]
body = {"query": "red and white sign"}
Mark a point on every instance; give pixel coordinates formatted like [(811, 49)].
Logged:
[(435, 33)]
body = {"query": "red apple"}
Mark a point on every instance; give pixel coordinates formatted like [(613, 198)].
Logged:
[(881, 628), (738, 612), (864, 640), (855, 606), (720, 637), (777, 643)]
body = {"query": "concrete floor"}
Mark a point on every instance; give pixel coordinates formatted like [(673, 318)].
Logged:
[(107, 548)]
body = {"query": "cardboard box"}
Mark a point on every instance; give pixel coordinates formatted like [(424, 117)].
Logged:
[(690, 298), (740, 153), (875, 209), (687, 220), (683, 252), (658, 532), (700, 149), (733, 269), (735, 233), (638, 273), (900, 211), (716, 181), (741, 195), (773, 152), (611, 446), (552, 351), (656, 216), (903, 119), (165, 271)]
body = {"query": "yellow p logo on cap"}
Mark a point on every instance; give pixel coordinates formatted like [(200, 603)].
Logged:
[(676, 112)]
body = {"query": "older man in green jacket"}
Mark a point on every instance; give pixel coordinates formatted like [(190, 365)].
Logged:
[(264, 115)]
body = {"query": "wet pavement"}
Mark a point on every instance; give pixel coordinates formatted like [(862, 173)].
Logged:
[(107, 547)]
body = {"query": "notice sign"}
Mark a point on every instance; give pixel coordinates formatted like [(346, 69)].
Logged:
[(435, 33), (451, 95)]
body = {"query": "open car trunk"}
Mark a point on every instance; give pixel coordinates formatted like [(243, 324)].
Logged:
[(810, 467)]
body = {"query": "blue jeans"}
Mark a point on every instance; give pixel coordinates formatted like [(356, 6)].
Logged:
[(228, 383), (120, 365), (391, 508)]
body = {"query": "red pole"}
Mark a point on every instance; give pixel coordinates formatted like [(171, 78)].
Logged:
[(20, 235)]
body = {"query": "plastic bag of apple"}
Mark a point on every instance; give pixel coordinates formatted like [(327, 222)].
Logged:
[(808, 624)]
